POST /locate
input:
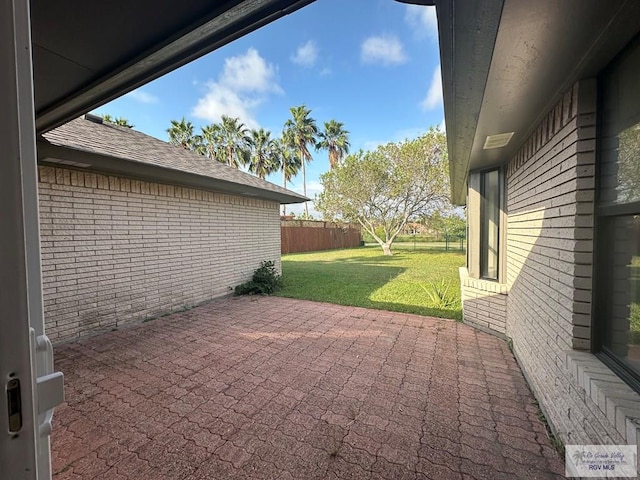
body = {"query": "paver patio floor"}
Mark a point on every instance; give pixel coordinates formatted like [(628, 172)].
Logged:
[(266, 387)]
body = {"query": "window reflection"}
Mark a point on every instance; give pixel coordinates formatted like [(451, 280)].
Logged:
[(620, 142), (490, 229), (624, 307), (629, 164)]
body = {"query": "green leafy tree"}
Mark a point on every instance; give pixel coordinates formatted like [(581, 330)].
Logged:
[(445, 224), (388, 187), (265, 153), (234, 142), (181, 133), (300, 132), (334, 139)]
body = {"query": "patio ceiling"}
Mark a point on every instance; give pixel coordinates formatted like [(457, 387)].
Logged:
[(87, 53), (505, 63)]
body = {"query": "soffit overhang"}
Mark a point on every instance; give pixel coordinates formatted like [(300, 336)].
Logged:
[(87, 53), (505, 64)]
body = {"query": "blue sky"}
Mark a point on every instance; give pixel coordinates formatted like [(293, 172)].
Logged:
[(372, 64)]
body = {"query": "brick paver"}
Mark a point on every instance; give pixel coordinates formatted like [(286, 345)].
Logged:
[(266, 387)]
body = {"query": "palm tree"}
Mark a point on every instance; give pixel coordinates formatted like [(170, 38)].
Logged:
[(120, 121), (210, 141), (301, 131), (265, 155), (181, 133), (234, 140), (335, 139), (290, 163)]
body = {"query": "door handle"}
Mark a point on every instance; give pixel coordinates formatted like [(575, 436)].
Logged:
[(50, 385)]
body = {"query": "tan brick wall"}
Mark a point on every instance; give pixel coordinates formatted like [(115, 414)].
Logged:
[(117, 250), (550, 194)]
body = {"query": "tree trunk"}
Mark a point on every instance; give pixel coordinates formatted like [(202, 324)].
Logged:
[(304, 187), (284, 185), (333, 158), (386, 248)]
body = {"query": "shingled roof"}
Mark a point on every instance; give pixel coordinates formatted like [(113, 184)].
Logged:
[(106, 147)]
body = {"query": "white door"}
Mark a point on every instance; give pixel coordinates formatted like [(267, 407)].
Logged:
[(30, 388)]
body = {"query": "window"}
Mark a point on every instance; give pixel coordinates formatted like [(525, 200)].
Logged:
[(490, 192), (618, 217)]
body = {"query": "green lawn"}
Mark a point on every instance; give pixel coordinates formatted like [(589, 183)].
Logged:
[(364, 277)]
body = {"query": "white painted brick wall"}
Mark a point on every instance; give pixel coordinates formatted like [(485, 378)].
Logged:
[(550, 193), (117, 250)]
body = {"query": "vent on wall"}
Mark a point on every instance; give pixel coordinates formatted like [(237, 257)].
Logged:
[(66, 162), (498, 140)]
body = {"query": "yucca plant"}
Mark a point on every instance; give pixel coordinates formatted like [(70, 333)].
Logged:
[(440, 294)]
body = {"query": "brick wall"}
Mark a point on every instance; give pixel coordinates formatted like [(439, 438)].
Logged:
[(117, 250), (484, 304), (550, 194)]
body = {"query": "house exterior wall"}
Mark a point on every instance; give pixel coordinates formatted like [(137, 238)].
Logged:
[(484, 304), (544, 295), (550, 205), (117, 250)]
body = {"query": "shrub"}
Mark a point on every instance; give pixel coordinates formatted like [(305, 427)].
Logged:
[(265, 281)]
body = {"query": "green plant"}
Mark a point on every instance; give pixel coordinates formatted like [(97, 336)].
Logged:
[(634, 321), (265, 281), (440, 294), (555, 441)]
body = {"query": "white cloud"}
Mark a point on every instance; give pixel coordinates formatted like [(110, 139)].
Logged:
[(422, 20), (313, 188), (249, 73), (443, 126), (383, 49), (306, 54), (434, 94), (142, 96), (244, 83)]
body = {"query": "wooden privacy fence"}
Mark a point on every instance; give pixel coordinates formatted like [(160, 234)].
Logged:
[(311, 236)]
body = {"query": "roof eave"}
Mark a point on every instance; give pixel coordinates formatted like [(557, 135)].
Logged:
[(154, 173), (467, 35), (506, 64)]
